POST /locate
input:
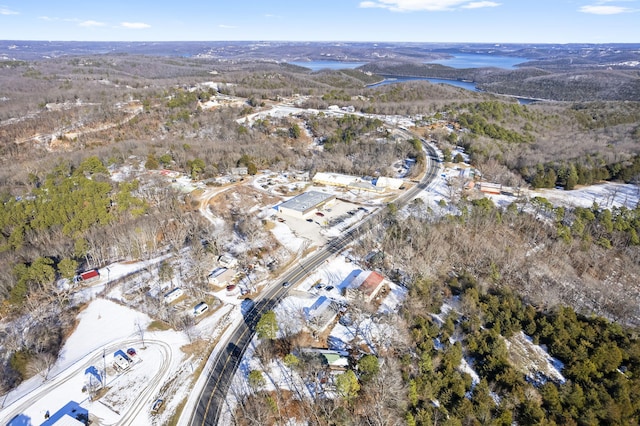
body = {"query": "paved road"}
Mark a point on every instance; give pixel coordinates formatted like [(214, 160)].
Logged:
[(219, 378)]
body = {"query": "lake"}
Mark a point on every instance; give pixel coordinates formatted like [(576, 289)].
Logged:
[(477, 60), (462, 84), (331, 65), (467, 85)]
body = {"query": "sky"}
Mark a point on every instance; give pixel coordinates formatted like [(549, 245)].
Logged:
[(482, 21)]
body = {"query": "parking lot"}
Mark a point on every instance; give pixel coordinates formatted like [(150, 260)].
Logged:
[(330, 221)]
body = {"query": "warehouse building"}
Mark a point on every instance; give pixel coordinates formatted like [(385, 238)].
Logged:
[(346, 181), (305, 203)]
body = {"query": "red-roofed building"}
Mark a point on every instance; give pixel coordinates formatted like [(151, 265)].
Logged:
[(371, 286), (89, 276), (366, 285)]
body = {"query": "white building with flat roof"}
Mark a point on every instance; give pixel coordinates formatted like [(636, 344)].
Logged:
[(346, 181), (305, 203)]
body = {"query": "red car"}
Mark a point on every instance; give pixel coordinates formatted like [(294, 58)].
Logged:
[(131, 352), (320, 214)]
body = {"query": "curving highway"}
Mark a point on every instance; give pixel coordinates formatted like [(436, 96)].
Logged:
[(225, 363)]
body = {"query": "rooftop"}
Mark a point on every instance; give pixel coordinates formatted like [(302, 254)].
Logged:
[(306, 201)]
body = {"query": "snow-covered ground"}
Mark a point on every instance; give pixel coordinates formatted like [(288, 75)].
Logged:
[(160, 369), (104, 328), (371, 330), (606, 195), (533, 360)]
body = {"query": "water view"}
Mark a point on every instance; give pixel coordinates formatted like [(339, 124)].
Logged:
[(462, 84), (467, 85), (476, 60), (331, 65)]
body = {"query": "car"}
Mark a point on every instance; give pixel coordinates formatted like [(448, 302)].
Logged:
[(309, 220), (319, 286), (157, 405), (320, 214), (286, 284), (131, 352), (328, 288)]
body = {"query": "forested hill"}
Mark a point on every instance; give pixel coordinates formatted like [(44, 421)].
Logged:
[(565, 84)]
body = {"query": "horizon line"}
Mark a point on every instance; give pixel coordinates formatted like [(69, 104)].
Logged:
[(496, 43)]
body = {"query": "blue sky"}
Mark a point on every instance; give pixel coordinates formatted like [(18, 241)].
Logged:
[(494, 21)]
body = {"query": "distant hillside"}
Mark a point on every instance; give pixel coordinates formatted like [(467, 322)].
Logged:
[(564, 85)]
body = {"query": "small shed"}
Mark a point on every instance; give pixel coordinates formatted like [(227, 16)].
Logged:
[(173, 295), (490, 188)]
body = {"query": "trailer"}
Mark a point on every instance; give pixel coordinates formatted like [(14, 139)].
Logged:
[(88, 276)]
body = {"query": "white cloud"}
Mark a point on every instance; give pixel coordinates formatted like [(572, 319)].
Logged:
[(135, 25), (425, 5), (90, 24), (480, 4), (6, 11), (601, 9), (47, 18), (226, 26)]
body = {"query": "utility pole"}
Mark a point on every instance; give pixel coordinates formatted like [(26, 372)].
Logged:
[(104, 363)]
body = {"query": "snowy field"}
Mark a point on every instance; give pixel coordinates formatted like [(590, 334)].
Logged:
[(373, 331), (159, 368)]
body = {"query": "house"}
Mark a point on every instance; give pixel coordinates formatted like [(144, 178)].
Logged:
[(305, 203), (239, 171), (173, 295), (365, 284), (335, 360), (321, 314), (227, 261), (120, 363), (222, 277), (371, 286), (72, 414)]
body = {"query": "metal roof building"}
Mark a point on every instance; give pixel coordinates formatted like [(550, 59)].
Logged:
[(305, 203), (346, 181)]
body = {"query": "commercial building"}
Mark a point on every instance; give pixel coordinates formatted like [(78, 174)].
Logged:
[(305, 203), (389, 183), (346, 181)]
